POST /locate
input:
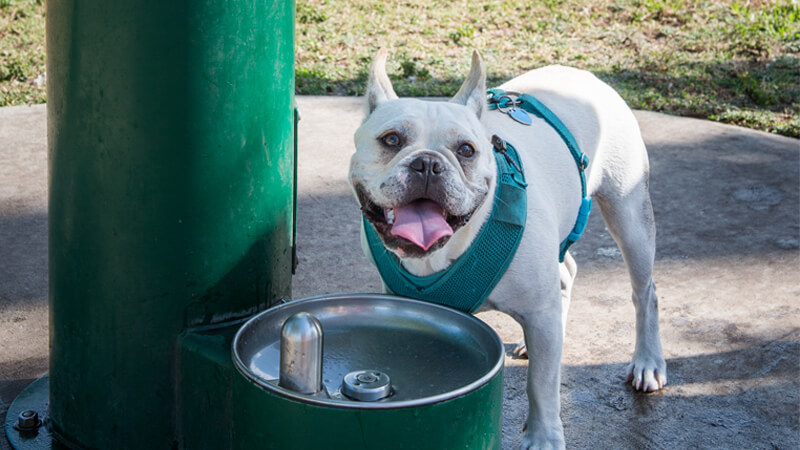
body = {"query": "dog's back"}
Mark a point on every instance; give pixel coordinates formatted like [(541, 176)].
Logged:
[(599, 119)]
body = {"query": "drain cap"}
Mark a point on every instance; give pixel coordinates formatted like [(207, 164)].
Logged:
[(367, 385)]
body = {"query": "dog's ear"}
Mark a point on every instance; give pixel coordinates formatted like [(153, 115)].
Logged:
[(473, 92), (379, 89)]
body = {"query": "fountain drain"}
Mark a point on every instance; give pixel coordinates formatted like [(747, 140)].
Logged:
[(366, 385)]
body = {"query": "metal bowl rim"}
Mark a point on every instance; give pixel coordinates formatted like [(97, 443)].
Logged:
[(475, 385)]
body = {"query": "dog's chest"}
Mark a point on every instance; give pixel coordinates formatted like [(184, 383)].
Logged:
[(465, 285)]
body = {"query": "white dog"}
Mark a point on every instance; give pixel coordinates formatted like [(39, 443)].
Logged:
[(426, 176)]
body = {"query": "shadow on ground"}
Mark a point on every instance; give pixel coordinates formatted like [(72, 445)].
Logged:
[(717, 400)]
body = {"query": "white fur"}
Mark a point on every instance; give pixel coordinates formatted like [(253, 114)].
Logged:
[(536, 288)]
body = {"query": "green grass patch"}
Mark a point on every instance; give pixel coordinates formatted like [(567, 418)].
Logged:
[(22, 51), (733, 61)]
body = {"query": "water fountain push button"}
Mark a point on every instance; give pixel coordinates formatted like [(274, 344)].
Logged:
[(367, 385), (301, 354)]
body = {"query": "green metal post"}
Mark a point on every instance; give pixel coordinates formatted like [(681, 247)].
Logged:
[(170, 135)]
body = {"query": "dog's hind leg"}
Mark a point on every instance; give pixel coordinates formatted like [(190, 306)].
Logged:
[(628, 214)]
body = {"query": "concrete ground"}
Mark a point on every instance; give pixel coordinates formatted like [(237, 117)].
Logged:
[(727, 205)]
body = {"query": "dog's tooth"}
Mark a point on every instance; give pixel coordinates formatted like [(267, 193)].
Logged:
[(389, 216)]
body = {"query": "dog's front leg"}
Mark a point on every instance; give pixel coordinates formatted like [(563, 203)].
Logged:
[(534, 300), (544, 339)]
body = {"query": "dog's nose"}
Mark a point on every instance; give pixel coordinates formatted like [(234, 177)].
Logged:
[(427, 165)]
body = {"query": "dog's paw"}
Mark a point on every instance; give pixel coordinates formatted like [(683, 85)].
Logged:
[(520, 351), (542, 442), (647, 374)]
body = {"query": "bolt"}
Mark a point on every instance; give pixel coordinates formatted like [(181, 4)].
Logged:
[(28, 420)]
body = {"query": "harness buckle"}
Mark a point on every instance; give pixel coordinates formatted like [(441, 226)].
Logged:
[(498, 143), (583, 163), (500, 147)]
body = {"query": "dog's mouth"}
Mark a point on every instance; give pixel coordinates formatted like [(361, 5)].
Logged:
[(415, 228)]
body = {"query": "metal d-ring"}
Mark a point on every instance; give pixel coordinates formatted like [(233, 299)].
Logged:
[(503, 107)]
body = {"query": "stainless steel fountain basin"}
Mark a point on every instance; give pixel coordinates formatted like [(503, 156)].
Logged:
[(431, 353)]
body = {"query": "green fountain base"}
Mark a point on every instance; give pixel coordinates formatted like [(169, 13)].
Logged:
[(218, 408)]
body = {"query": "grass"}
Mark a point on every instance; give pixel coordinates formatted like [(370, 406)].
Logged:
[(22, 63), (732, 61)]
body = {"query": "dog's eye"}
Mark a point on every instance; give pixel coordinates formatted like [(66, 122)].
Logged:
[(391, 139), (466, 150)]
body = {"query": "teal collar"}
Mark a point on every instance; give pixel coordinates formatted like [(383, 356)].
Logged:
[(466, 283)]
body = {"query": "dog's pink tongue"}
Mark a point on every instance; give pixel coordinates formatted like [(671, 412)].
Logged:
[(421, 222)]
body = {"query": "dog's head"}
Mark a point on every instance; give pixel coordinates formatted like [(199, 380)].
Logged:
[(421, 169)]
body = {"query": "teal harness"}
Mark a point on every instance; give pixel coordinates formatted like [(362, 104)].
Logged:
[(500, 100), (469, 280)]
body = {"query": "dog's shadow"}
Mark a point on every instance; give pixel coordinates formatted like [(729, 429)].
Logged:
[(745, 398)]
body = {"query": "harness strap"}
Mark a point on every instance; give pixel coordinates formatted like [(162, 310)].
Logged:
[(499, 99)]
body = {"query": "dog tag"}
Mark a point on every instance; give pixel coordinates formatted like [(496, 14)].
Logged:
[(520, 116)]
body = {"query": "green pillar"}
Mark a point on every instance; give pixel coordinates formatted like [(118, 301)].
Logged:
[(170, 146)]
